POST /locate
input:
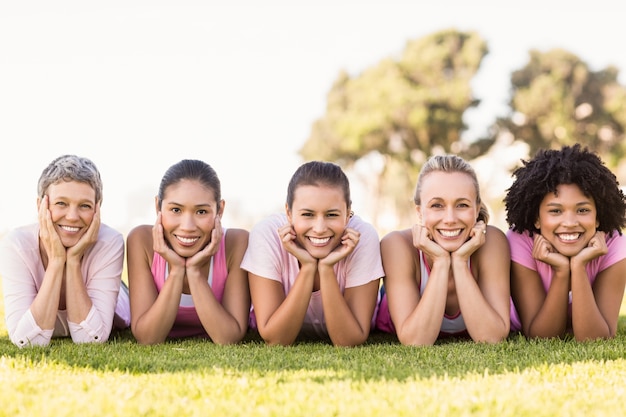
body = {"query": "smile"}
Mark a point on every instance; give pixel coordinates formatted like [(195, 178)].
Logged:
[(568, 237), (450, 233), (70, 229), (318, 241), (187, 240)]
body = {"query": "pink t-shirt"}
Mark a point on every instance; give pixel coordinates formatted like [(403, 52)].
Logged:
[(266, 257), (522, 252), (21, 268), (187, 323)]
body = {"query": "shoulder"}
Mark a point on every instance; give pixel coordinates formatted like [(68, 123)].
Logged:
[(27, 233), (517, 238), (270, 222), (360, 225), (140, 232), (397, 240), (109, 233), (236, 238), (496, 246), (399, 236), (495, 234)]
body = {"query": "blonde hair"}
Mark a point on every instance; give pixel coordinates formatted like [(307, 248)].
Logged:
[(450, 163)]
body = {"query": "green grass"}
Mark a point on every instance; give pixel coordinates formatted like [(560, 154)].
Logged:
[(197, 378)]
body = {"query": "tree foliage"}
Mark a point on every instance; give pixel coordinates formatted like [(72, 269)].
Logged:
[(401, 111), (557, 100)]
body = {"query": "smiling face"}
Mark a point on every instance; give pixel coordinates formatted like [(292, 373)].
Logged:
[(567, 219), (448, 207), (72, 205), (319, 215), (188, 212)]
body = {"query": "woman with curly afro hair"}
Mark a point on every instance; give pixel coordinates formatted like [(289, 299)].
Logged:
[(566, 212)]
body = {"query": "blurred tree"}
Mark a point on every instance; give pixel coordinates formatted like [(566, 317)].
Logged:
[(387, 120), (557, 100)]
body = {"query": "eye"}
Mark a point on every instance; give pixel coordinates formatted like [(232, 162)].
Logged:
[(332, 215), (463, 205), (584, 210), (436, 205), (201, 211), (60, 203), (175, 210), (554, 211), (86, 206), (307, 214)]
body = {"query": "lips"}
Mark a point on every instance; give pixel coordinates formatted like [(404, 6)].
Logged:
[(318, 241), (569, 237), (187, 241), (69, 229), (450, 233)]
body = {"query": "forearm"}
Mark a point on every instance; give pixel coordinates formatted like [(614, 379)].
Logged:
[(77, 301), (342, 325), (45, 305), (221, 326), (551, 319), (482, 320), (588, 323), (285, 323), (154, 325), (423, 324)]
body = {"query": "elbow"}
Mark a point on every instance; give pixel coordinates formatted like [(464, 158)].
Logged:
[(414, 340), (276, 341), (229, 339)]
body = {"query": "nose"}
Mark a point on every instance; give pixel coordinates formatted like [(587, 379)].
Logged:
[(319, 225), (570, 219), (449, 215), (72, 212), (187, 222)]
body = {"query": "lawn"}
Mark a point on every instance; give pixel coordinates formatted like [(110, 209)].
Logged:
[(197, 378)]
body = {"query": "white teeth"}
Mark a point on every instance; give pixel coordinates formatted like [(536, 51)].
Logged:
[(187, 240), (70, 229), (569, 236), (319, 241), (450, 233)]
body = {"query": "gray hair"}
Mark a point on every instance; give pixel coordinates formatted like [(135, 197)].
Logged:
[(70, 168)]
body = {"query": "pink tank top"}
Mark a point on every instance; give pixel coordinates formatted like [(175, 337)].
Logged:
[(187, 323)]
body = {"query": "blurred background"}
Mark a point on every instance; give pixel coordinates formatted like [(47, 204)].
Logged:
[(257, 88)]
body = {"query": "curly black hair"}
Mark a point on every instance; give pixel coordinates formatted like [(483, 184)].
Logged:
[(569, 165)]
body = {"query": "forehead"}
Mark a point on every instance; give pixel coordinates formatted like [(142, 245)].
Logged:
[(570, 193), (448, 184), (186, 188), (71, 190), (318, 195)]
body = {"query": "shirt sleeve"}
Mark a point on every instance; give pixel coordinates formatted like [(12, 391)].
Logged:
[(616, 246), (522, 249), (19, 260), (102, 270), (365, 263), (264, 256)]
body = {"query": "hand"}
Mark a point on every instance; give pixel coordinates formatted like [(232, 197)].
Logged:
[(423, 241), (349, 240), (88, 239), (595, 248), (544, 251), (47, 233), (203, 256), (476, 239), (161, 247), (287, 236)]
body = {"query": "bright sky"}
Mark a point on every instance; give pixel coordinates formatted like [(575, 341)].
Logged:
[(138, 85)]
